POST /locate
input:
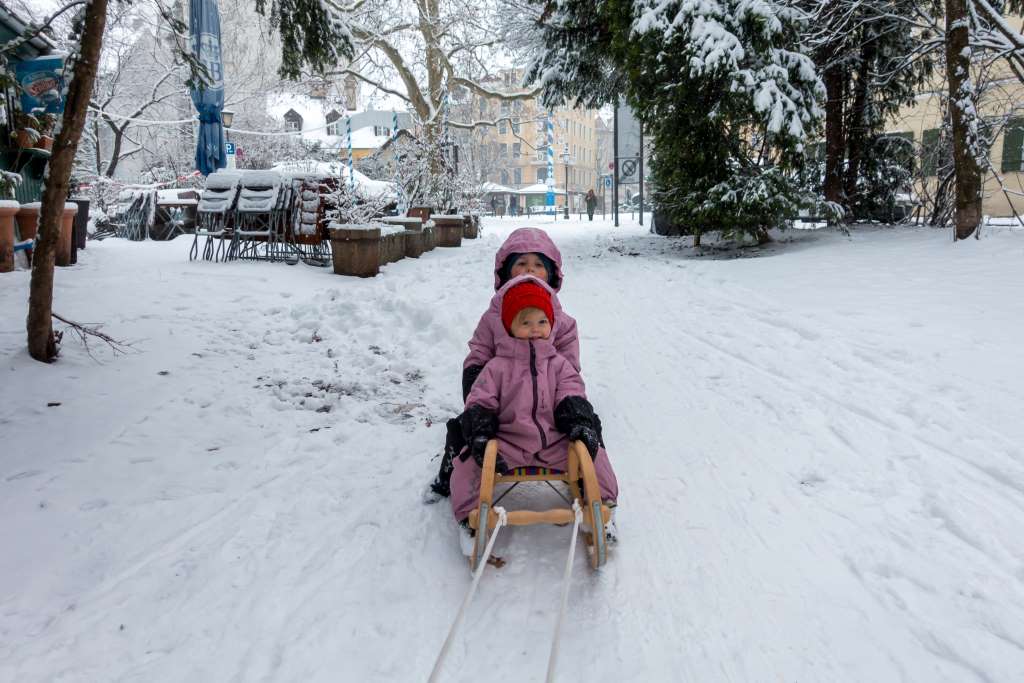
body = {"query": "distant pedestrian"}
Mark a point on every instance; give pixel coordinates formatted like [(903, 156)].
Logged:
[(513, 206), (591, 204), (494, 205)]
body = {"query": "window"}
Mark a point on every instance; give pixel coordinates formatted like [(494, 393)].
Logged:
[(542, 175), (292, 121), (502, 150), (517, 150), (515, 126), (901, 145), (517, 106), (541, 126), (333, 123), (936, 155), (504, 177), (1013, 145), (502, 128), (381, 131), (517, 174), (483, 107), (506, 107)]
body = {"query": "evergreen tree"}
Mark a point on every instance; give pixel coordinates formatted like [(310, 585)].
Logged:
[(872, 64), (723, 87)]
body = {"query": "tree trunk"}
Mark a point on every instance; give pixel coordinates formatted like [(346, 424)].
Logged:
[(834, 139), (964, 120), (857, 135), (115, 154), (42, 345)]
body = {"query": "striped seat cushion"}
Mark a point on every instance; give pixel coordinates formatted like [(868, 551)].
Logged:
[(533, 471)]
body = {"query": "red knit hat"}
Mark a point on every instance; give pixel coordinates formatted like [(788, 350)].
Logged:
[(525, 295)]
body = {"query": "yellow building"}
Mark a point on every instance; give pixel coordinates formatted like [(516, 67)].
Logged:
[(1002, 110), (514, 153)]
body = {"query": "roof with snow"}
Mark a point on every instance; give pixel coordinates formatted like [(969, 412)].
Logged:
[(539, 188), (314, 113)]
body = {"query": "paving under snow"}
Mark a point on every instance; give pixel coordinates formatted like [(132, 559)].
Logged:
[(818, 446)]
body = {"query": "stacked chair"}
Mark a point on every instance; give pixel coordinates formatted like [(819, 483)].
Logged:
[(215, 217)]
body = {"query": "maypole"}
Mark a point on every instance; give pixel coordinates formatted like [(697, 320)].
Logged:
[(551, 162)]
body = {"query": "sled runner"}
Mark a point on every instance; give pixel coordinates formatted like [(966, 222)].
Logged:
[(580, 472)]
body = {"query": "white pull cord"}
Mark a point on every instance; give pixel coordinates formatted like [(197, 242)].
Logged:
[(565, 591), (481, 563)]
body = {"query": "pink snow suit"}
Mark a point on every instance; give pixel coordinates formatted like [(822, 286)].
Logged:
[(523, 384), (482, 346)]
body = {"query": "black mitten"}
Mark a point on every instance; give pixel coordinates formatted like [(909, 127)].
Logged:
[(469, 376), (575, 417), (479, 425), (588, 436)]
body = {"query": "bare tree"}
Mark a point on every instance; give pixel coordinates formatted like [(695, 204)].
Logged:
[(42, 345)]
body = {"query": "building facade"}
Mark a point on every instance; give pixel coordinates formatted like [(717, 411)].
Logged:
[(514, 153), (1001, 108)]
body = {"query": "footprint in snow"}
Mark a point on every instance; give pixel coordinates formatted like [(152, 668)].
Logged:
[(24, 475)]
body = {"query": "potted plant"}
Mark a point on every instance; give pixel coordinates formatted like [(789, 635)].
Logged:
[(47, 122), (26, 130), (33, 131)]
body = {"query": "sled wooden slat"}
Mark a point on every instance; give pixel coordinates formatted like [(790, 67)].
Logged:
[(580, 470), (515, 478)]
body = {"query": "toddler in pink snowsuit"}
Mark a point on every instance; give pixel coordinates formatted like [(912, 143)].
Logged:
[(527, 251), (528, 397)]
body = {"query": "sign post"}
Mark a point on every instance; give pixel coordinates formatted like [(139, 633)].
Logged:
[(628, 153)]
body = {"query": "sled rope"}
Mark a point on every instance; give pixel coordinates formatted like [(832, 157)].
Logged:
[(552, 660), (481, 563)]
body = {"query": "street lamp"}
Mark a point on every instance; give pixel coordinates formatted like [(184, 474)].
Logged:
[(565, 160)]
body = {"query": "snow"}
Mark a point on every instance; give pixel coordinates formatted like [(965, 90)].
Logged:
[(68, 206), (310, 168), (314, 121), (818, 445), (223, 180)]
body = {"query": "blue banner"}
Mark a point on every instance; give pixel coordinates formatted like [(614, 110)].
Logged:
[(208, 97), (42, 85)]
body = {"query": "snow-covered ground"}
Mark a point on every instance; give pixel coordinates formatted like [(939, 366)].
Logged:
[(818, 446)]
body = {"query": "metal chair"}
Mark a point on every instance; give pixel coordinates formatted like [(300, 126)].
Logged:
[(215, 216)]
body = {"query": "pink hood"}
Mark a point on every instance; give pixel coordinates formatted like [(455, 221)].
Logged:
[(525, 241), (490, 330)]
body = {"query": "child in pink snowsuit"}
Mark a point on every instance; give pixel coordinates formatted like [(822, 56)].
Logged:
[(528, 397), (527, 251)]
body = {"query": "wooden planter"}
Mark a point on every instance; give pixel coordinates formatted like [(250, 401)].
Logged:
[(421, 212), (449, 230), (392, 247), (8, 209), (429, 236), (470, 227), (356, 250), (414, 237)]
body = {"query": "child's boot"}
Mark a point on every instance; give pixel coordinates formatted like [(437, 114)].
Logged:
[(467, 538)]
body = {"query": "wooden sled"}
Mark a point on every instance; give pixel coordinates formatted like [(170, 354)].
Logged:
[(580, 468)]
